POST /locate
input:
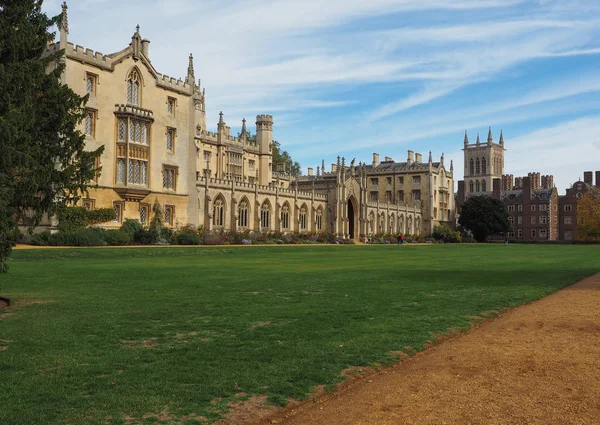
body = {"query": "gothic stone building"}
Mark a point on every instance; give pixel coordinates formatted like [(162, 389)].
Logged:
[(158, 150)]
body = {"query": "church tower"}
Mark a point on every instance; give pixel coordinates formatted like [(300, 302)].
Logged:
[(484, 162)]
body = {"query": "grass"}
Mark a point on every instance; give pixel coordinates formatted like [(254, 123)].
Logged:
[(102, 335)]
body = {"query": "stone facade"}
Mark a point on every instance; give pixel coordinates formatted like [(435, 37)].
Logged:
[(484, 162), (158, 150)]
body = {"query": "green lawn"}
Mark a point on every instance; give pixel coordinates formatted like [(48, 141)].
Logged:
[(97, 334)]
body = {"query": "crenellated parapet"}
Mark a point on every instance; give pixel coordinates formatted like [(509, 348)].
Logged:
[(226, 184)]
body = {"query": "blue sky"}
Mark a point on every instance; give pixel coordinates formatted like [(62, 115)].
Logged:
[(353, 77)]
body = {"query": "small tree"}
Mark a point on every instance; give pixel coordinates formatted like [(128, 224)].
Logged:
[(43, 163), (588, 216), (484, 216), (279, 156)]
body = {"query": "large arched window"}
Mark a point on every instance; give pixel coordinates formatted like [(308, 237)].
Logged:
[(477, 187), (477, 167), (134, 88), (303, 218), (483, 186), (243, 213), (219, 212), (265, 215), (319, 219), (471, 186), (483, 166), (472, 166), (285, 217)]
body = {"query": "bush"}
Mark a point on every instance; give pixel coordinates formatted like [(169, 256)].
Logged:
[(187, 235), (213, 239), (117, 238), (72, 218), (131, 227), (40, 239), (79, 237), (446, 234)]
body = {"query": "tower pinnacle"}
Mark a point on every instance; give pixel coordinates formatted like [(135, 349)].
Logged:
[(466, 138), (501, 138), (65, 18), (490, 139)]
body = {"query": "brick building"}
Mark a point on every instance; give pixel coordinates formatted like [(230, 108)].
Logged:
[(568, 205)]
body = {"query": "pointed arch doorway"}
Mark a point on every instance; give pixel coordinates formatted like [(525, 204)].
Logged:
[(352, 217)]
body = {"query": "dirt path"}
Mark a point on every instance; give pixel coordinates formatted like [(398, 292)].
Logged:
[(537, 364)]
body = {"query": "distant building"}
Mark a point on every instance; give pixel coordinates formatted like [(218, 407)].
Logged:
[(531, 202), (568, 205)]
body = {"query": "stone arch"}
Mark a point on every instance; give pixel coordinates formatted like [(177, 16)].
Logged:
[(483, 186), (352, 215), (134, 83), (382, 222), (471, 187), (244, 213), (303, 218), (266, 215), (371, 222), (418, 226), (477, 186), (285, 216), (409, 222), (219, 211), (472, 167), (392, 223), (401, 223), (319, 219), (477, 166), (483, 166)]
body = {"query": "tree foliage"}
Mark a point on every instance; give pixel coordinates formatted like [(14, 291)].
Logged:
[(588, 216), (484, 216), (43, 163), (72, 218), (281, 158), (446, 234)]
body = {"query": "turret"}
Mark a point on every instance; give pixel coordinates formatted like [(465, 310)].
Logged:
[(264, 139), (243, 132)]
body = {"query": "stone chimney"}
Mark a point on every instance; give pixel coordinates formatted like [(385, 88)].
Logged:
[(527, 188), (597, 178), (418, 158), (146, 48), (411, 158), (333, 168), (388, 159), (588, 177), (310, 172), (375, 159)]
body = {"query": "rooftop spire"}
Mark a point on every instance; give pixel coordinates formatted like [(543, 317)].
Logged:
[(190, 74), (466, 138), (478, 140), (451, 165), (430, 157), (243, 128), (490, 139), (501, 138)]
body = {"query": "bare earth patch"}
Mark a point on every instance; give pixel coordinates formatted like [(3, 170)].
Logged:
[(4, 303), (535, 364)]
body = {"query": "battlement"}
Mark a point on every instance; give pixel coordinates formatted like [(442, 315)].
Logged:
[(226, 184), (174, 83), (264, 118), (89, 56)]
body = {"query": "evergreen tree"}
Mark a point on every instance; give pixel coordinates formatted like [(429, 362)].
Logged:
[(43, 163), (484, 216)]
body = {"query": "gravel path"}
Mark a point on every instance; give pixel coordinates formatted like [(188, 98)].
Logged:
[(536, 364)]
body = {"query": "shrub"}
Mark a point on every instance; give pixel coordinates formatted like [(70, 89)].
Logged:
[(213, 239), (79, 237), (446, 234), (72, 218), (117, 238), (40, 239), (131, 227), (187, 235)]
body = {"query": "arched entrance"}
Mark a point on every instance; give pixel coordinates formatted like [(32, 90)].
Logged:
[(352, 218)]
